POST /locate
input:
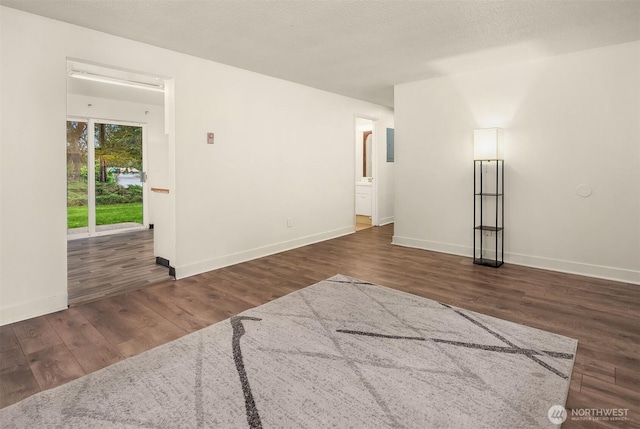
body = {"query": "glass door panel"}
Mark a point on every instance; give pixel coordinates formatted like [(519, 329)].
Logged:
[(118, 176), (77, 177)]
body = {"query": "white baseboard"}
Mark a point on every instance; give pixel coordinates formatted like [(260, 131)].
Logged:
[(432, 245), (385, 221), (569, 267), (579, 268), (31, 309), (188, 270)]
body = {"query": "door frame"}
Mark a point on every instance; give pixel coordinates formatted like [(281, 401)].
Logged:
[(91, 190)]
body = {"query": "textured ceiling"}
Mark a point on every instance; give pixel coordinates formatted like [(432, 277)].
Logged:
[(356, 48)]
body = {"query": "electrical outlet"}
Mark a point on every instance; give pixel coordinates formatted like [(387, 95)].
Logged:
[(289, 222)]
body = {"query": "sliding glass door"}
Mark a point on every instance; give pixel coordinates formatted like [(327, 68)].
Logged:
[(105, 179)]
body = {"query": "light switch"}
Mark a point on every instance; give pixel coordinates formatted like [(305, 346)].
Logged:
[(210, 138)]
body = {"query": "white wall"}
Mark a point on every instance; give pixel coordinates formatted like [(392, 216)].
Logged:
[(33, 247), (282, 150), (569, 120)]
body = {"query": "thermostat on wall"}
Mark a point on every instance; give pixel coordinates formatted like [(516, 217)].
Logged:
[(210, 138)]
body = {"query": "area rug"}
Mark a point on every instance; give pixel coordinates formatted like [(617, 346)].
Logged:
[(342, 353)]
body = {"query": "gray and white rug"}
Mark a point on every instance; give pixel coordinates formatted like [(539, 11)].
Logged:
[(342, 353)]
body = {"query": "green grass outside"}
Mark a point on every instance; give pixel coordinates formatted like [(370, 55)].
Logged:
[(78, 216)]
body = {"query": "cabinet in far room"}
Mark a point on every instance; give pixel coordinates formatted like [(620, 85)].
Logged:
[(363, 200)]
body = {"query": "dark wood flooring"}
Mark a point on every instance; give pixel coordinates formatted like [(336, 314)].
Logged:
[(110, 264), (47, 351)]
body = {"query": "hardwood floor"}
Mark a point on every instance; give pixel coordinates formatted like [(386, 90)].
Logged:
[(604, 316), (102, 266), (363, 222)]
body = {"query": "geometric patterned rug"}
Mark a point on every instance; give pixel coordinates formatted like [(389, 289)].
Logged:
[(340, 353)]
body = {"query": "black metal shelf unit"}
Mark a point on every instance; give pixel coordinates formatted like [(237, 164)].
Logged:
[(488, 212)]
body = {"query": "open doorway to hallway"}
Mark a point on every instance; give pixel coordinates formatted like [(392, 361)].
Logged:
[(364, 178)]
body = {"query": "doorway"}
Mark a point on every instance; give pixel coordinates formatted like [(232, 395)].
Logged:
[(117, 131), (106, 188), (365, 186)]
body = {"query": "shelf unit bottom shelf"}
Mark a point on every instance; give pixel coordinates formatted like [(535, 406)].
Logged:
[(488, 228), (488, 262)]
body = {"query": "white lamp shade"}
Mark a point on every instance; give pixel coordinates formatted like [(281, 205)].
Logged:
[(488, 143)]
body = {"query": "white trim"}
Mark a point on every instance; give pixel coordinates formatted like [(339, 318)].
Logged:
[(579, 268), (432, 245), (76, 236), (374, 173), (386, 221), (80, 118), (569, 267), (117, 122), (84, 75), (31, 309), (82, 63), (91, 176), (145, 182), (183, 271)]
